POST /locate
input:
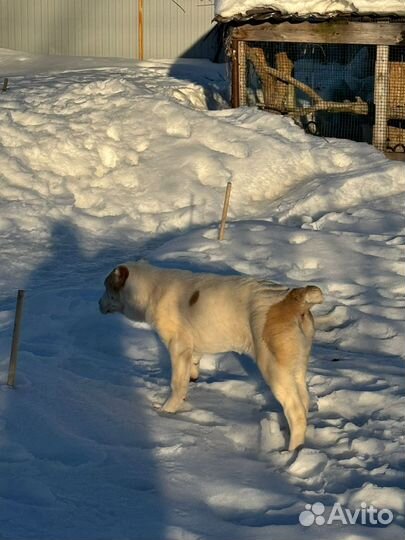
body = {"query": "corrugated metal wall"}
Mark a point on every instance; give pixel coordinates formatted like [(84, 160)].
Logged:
[(172, 28), (177, 28)]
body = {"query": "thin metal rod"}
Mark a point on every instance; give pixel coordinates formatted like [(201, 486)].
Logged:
[(16, 339)]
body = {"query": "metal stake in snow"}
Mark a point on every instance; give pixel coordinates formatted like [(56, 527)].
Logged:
[(5, 85), (16, 339), (225, 211)]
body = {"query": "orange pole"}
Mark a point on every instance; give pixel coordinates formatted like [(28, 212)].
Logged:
[(140, 30)]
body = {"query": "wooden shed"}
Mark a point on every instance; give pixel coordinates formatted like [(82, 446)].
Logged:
[(337, 76)]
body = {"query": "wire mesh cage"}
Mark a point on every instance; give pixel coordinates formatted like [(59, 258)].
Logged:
[(396, 100), (330, 89)]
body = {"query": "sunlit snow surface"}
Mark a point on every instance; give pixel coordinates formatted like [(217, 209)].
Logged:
[(102, 161)]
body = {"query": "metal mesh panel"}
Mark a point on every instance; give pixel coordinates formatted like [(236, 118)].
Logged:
[(396, 100), (330, 89)]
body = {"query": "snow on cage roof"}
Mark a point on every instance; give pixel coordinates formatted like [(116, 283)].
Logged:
[(227, 10)]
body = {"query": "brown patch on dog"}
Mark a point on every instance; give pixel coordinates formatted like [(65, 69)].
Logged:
[(289, 321), (116, 280), (194, 298)]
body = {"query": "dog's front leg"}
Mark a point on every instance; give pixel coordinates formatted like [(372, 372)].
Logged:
[(181, 358)]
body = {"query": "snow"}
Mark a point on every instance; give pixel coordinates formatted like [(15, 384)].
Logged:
[(103, 161), (229, 8)]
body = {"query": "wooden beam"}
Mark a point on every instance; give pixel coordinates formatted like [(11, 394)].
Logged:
[(353, 107), (381, 98), (358, 33)]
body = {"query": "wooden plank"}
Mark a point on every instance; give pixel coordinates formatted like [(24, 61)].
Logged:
[(225, 211), (395, 156), (381, 97), (378, 33)]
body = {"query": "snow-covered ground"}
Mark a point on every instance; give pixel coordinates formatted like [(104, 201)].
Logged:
[(102, 161), (228, 8)]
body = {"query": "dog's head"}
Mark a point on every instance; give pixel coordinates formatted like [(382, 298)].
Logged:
[(112, 300)]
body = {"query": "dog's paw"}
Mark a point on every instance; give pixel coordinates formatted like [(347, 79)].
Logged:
[(170, 406), (168, 409)]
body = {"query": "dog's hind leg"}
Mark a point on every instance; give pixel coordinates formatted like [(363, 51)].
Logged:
[(302, 387), (286, 390), (287, 333), (287, 393)]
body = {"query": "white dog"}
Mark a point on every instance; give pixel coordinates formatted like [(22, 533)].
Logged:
[(207, 313)]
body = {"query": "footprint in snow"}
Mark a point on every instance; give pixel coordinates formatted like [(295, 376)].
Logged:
[(248, 506), (308, 463), (298, 238), (305, 269)]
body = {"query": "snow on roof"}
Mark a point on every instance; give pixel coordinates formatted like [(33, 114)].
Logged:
[(230, 9)]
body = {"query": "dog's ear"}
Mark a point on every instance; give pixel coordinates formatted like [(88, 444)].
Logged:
[(117, 278)]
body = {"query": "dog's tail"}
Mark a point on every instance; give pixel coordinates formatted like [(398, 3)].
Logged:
[(303, 298), (293, 311), (295, 305)]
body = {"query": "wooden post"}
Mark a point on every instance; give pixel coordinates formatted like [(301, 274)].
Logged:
[(239, 97), (381, 97), (235, 74), (225, 211), (5, 85), (140, 30), (242, 74), (16, 339)]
